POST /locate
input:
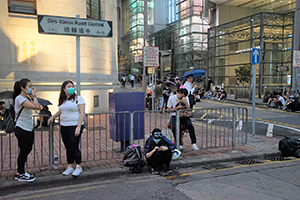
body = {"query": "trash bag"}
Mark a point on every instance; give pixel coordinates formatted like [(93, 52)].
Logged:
[(288, 146), (133, 158)]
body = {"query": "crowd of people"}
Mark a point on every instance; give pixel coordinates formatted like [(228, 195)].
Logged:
[(276, 100)]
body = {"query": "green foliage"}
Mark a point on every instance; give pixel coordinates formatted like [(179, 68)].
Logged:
[(243, 74)]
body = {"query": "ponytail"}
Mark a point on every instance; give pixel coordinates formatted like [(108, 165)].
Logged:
[(17, 87)]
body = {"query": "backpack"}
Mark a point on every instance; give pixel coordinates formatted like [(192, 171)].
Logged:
[(133, 158), (289, 146), (8, 119)]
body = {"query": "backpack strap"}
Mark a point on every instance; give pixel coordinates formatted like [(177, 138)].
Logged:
[(19, 114)]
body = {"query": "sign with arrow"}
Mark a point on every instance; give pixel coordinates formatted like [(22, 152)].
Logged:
[(255, 56), (74, 26)]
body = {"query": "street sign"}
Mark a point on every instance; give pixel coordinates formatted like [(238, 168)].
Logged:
[(255, 56), (151, 56), (296, 58), (282, 68), (138, 58), (74, 26)]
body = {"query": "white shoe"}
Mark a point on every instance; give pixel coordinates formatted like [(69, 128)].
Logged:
[(77, 171), (68, 171), (180, 147), (195, 147)]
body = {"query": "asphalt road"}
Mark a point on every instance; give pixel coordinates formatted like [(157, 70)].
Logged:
[(285, 123), (268, 180)]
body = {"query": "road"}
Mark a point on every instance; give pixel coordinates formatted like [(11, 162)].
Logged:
[(268, 180), (285, 123)]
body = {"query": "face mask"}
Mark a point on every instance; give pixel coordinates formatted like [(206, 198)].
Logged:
[(156, 140), (70, 91), (28, 91)]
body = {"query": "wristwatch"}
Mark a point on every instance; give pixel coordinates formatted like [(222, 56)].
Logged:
[(34, 96)]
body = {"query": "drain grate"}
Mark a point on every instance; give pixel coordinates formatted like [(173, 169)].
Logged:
[(216, 166), (248, 162), (278, 158)]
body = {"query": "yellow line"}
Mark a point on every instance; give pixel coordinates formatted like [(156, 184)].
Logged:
[(203, 116), (220, 117), (266, 162)]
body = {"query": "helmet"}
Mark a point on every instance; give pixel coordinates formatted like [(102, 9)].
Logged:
[(175, 154)]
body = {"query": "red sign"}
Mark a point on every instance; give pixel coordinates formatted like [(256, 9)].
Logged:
[(151, 56)]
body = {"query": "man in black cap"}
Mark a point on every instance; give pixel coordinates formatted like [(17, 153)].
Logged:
[(158, 152)]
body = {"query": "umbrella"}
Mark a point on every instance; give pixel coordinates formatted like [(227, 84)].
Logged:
[(173, 85), (196, 73), (122, 74), (44, 102), (6, 95)]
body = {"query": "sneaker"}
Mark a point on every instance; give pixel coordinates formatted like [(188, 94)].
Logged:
[(169, 171), (180, 147), (26, 174), (26, 178), (77, 171), (68, 171), (195, 147), (154, 172)]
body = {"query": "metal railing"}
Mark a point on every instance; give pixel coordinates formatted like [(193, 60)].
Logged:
[(107, 134)]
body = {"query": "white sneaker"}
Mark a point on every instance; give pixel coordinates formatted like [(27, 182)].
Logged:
[(195, 147), (180, 147), (68, 171), (77, 171)]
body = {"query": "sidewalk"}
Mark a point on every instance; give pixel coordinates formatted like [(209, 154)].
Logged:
[(256, 147)]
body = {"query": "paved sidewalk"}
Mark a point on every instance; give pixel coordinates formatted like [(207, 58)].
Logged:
[(256, 147)]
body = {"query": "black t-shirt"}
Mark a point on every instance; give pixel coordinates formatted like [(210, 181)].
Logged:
[(168, 91)]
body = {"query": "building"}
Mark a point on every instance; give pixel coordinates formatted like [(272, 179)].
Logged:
[(48, 60)]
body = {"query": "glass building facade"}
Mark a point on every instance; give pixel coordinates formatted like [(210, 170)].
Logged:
[(229, 47)]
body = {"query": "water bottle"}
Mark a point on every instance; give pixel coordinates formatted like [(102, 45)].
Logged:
[(55, 161)]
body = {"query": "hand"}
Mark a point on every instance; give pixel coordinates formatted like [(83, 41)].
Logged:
[(195, 86), (33, 91), (77, 131), (50, 120), (163, 148), (156, 149)]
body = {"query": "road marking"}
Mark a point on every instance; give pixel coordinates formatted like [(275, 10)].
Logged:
[(220, 117), (203, 116), (266, 162)]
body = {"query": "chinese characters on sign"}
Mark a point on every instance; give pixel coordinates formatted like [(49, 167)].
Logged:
[(151, 56), (26, 53)]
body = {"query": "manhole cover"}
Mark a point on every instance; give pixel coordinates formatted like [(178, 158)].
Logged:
[(278, 158), (216, 166), (248, 162)]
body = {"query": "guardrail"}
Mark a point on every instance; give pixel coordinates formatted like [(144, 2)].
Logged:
[(107, 134)]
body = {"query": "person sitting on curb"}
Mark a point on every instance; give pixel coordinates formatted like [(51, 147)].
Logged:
[(223, 94), (158, 152)]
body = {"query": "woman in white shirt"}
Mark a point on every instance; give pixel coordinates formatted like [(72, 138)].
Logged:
[(71, 112), (25, 101)]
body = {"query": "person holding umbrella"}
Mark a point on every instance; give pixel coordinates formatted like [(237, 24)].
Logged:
[(188, 85)]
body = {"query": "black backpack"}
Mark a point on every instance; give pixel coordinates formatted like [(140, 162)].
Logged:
[(289, 146), (133, 158), (9, 119)]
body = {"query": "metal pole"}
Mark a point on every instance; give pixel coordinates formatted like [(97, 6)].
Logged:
[(78, 62), (131, 129), (296, 44), (253, 82), (234, 129), (177, 138), (51, 157), (153, 106), (145, 38)]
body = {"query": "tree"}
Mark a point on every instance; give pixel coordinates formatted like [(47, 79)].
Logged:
[(243, 74)]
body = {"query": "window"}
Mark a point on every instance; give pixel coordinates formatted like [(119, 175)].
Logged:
[(22, 6), (96, 101), (93, 9)]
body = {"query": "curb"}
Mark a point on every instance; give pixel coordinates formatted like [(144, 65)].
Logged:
[(94, 173)]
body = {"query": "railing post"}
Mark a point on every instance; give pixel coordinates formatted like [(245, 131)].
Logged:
[(177, 128), (233, 128), (51, 145), (131, 130)]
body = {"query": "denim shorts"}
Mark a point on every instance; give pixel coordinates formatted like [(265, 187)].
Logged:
[(160, 101)]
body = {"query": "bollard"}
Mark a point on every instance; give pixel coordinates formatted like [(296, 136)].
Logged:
[(131, 130), (270, 130)]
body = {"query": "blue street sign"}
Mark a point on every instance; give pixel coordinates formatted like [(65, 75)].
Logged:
[(255, 56)]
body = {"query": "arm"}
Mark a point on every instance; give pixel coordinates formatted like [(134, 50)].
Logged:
[(148, 155), (170, 144), (186, 103), (81, 108), (32, 105), (50, 120)]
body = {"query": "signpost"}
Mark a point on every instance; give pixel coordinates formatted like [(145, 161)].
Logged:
[(255, 59), (151, 59), (77, 27), (282, 69)]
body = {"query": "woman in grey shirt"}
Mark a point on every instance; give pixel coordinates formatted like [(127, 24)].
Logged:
[(25, 101)]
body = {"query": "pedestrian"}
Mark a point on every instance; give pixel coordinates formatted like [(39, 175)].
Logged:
[(191, 89), (209, 83), (173, 107), (45, 114), (158, 152), (123, 80), (25, 101), (159, 95), (72, 113), (166, 93), (132, 80)]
